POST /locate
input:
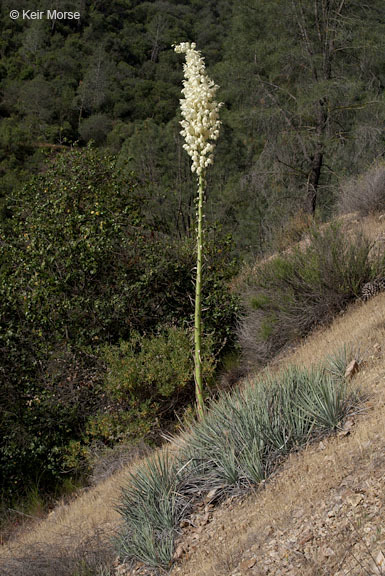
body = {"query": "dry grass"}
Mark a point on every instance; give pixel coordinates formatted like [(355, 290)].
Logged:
[(74, 533), (81, 531), (364, 193), (308, 478)]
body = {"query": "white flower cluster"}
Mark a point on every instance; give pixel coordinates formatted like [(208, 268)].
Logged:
[(200, 111)]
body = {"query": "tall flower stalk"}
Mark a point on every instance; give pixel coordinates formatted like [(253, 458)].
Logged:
[(200, 125)]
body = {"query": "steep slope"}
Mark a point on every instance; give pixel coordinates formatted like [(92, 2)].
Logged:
[(323, 513)]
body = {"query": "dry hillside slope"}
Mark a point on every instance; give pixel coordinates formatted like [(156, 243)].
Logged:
[(322, 514)]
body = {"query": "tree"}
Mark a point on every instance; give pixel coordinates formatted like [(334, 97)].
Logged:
[(303, 87), (92, 90)]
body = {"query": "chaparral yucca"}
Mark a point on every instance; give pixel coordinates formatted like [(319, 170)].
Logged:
[(200, 126)]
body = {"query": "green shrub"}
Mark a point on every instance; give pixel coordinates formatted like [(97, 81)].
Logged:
[(148, 380), (61, 279), (80, 271), (289, 294)]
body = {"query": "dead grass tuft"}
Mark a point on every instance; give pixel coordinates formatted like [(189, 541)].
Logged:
[(364, 193)]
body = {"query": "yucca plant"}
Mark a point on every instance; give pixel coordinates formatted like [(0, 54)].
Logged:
[(200, 126), (246, 433), (240, 441), (337, 362), (325, 401), (152, 506)]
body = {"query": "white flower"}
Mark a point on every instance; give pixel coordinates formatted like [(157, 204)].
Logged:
[(199, 109)]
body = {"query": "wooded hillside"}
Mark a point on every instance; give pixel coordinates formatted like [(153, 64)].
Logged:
[(97, 225)]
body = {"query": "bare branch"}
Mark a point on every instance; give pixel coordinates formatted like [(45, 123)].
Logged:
[(286, 116)]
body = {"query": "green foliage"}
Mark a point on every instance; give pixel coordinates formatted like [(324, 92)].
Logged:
[(69, 230), (289, 294), (60, 287), (95, 128), (284, 102), (325, 403), (113, 76), (73, 80), (238, 443), (150, 367), (152, 507), (245, 433), (336, 363), (79, 271), (148, 380)]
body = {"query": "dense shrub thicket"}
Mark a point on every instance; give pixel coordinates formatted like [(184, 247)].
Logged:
[(287, 295), (242, 438), (81, 271), (298, 113)]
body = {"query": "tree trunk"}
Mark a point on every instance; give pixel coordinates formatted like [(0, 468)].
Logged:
[(313, 181), (317, 157)]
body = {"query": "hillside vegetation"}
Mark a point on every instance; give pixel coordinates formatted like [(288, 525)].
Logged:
[(341, 474), (302, 85), (324, 512), (98, 263)]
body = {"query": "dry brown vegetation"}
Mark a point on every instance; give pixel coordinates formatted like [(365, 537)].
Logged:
[(364, 193), (323, 513), (77, 532)]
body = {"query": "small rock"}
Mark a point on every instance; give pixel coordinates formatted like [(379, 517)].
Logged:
[(211, 495), (380, 561), (348, 425), (351, 369), (247, 564), (355, 499), (178, 552)]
